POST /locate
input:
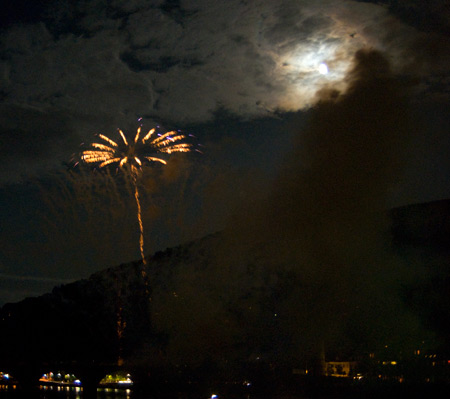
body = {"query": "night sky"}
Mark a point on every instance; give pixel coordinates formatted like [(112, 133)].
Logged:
[(244, 78)]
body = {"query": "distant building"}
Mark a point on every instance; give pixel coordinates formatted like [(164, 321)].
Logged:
[(340, 369)]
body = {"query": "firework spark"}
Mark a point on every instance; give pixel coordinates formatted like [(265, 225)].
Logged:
[(132, 154)]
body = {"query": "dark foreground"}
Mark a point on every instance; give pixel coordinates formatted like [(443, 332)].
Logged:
[(312, 389)]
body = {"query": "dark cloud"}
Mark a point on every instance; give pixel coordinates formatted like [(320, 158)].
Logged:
[(21, 11), (32, 138), (430, 16)]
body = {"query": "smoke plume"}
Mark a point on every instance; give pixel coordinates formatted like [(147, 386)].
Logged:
[(308, 271)]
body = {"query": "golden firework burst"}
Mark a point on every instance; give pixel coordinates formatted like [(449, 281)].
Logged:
[(151, 147)]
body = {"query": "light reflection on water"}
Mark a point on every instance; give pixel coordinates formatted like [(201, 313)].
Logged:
[(111, 393), (7, 387), (7, 392), (61, 392)]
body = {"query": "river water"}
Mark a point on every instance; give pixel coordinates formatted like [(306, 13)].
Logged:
[(109, 393), (373, 392), (44, 392)]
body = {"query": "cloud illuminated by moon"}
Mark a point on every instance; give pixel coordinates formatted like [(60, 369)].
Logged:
[(251, 59), (246, 58)]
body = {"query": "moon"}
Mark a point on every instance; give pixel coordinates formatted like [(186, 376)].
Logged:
[(323, 69)]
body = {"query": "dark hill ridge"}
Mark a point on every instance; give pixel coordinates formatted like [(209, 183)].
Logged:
[(422, 226), (80, 320), (190, 305)]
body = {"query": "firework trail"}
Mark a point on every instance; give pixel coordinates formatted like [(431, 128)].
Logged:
[(152, 147), (131, 155)]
